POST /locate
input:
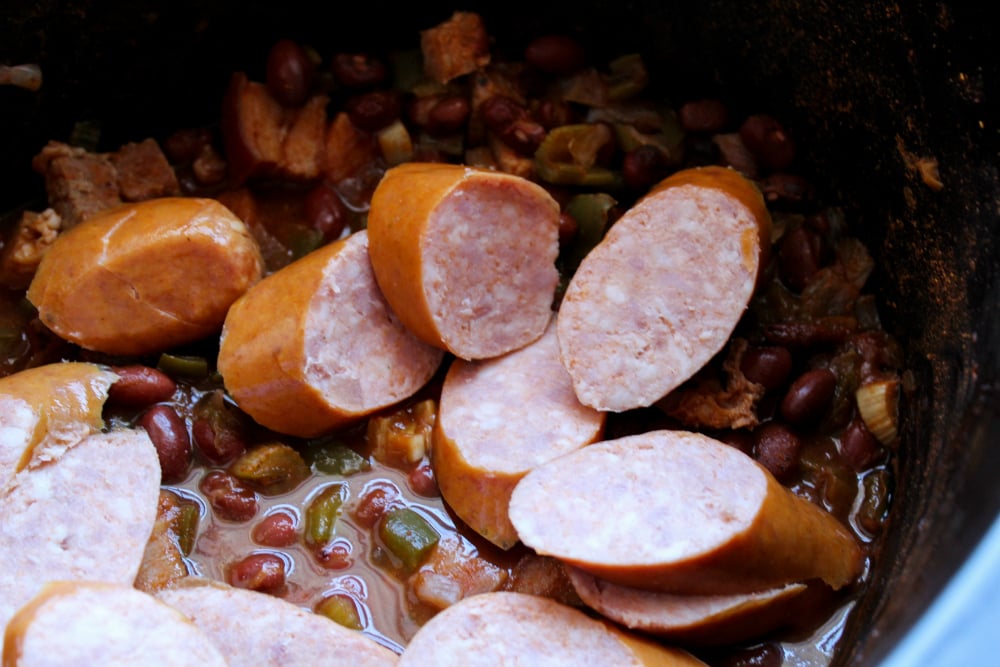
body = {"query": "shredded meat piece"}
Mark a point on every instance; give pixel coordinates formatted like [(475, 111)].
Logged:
[(26, 246), (458, 46), (144, 172), (705, 403), (544, 576)]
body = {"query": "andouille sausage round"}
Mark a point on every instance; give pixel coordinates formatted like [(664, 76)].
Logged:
[(166, 271), (97, 623), (44, 410), (679, 512), (690, 619), (84, 515), (315, 345), (506, 628), (465, 256), (499, 418), (258, 630), (660, 295)]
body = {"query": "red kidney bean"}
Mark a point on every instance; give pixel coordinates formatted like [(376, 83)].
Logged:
[(741, 440), (777, 448), (218, 433), (258, 572), (334, 555), (765, 655), (524, 136), (183, 146), (325, 211), (289, 73), (510, 121), (733, 152), (769, 365), (138, 386), (422, 481), (859, 447), (642, 167), (707, 116), (229, 498), (358, 70), (448, 116), (834, 329), (801, 254), (374, 110), (209, 168), (809, 396), (375, 502), (555, 113), (169, 434), (786, 189), (568, 228), (555, 54), (276, 530), (767, 139), (499, 111)]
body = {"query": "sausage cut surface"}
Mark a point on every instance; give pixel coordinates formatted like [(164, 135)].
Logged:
[(506, 628), (703, 619), (663, 291), (679, 512), (466, 257), (85, 515), (257, 630), (315, 345), (92, 623), (499, 418)]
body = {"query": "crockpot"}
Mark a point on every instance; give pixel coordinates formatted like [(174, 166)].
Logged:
[(874, 89)]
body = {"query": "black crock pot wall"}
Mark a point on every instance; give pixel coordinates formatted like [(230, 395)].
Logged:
[(868, 87)]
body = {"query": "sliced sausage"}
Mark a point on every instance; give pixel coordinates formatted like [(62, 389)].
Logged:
[(679, 512), (505, 628), (497, 419), (315, 345), (167, 271), (466, 257), (259, 630), (85, 515), (663, 291), (91, 623), (46, 409), (692, 619)]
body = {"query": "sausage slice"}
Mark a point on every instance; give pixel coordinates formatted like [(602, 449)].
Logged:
[(258, 630), (679, 512), (466, 257), (91, 623), (85, 515), (693, 619), (497, 419), (506, 628), (663, 291), (46, 409), (315, 345), (166, 271)]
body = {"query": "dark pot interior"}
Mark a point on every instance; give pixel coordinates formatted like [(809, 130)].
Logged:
[(869, 87)]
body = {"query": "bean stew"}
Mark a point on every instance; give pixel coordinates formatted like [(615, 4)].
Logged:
[(351, 524)]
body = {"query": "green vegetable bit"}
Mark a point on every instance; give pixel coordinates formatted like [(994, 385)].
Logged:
[(409, 536), (274, 466), (342, 609), (335, 458), (176, 365), (322, 514)]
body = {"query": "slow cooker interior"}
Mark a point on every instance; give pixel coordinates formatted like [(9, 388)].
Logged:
[(870, 88)]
